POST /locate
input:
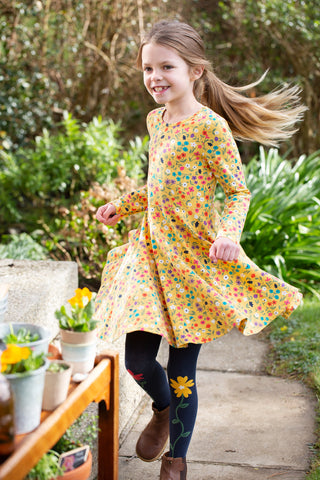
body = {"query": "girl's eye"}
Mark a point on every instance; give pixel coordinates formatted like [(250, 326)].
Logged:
[(147, 69), (168, 67)]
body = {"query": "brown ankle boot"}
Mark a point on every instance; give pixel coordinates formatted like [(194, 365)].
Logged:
[(173, 468), (153, 439)]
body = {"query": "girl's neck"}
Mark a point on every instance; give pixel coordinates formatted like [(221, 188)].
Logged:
[(176, 113)]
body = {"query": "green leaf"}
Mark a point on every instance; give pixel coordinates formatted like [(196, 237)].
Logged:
[(281, 230)]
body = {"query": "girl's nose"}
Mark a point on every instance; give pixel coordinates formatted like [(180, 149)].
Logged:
[(156, 76)]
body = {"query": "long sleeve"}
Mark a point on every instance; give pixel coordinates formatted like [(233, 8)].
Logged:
[(133, 202), (229, 174)]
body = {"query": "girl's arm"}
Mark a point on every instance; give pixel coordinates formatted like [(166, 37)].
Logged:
[(227, 167), (130, 203), (133, 202)]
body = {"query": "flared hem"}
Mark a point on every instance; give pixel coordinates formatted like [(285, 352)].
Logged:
[(246, 326)]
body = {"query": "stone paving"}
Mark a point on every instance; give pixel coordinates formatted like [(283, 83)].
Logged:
[(250, 426)]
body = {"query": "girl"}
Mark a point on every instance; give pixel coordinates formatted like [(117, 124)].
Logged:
[(183, 275)]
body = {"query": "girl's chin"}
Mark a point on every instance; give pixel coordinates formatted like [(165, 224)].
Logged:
[(159, 97), (158, 100)]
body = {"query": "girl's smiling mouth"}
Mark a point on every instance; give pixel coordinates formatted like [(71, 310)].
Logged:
[(159, 89)]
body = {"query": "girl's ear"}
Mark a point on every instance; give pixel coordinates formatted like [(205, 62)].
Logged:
[(196, 72)]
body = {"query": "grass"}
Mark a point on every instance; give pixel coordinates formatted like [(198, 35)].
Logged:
[(295, 353)]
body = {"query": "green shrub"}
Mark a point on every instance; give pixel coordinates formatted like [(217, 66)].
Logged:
[(54, 189), (75, 234), (76, 55), (281, 233), (26, 102), (22, 247), (58, 167)]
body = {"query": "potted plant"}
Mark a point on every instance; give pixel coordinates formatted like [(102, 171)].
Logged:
[(78, 331), (35, 337), (56, 384), (25, 371), (47, 468), (76, 436)]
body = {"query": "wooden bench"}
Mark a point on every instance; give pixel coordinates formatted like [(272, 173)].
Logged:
[(101, 386)]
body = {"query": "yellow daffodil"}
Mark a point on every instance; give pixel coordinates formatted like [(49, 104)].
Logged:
[(182, 386), (13, 354), (82, 297)]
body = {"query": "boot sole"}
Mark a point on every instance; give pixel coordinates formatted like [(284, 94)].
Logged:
[(155, 458)]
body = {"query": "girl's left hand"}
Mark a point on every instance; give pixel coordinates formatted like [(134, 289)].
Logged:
[(224, 249)]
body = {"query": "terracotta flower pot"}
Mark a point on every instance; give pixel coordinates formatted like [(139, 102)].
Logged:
[(81, 473), (54, 352), (68, 336)]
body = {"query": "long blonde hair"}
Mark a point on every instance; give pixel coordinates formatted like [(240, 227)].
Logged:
[(267, 119)]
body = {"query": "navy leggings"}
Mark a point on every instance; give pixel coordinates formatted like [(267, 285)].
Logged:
[(178, 390)]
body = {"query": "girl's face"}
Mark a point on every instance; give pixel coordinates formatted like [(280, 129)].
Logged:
[(167, 77)]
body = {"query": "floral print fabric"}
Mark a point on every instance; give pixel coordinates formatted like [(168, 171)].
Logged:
[(163, 280)]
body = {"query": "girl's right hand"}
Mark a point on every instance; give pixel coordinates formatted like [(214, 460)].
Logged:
[(224, 249), (107, 215)]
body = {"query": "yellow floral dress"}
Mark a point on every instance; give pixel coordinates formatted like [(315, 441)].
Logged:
[(163, 280)]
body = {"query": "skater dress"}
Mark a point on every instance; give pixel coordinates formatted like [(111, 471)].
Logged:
[(163, 281)]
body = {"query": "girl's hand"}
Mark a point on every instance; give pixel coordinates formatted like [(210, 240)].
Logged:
[(107, 214), (224, 249)]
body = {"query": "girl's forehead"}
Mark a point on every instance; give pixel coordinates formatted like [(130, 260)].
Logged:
[(159, 53)]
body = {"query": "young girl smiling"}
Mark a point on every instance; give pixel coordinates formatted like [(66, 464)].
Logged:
[(183, 275)]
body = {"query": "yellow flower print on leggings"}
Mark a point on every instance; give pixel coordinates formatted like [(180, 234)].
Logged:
[(182, 389)]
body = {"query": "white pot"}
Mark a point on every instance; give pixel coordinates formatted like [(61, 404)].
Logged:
[(27, 389), (56, 385), (81, 356)]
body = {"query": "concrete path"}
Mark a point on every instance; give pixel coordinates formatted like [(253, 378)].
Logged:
[(250, 426)]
